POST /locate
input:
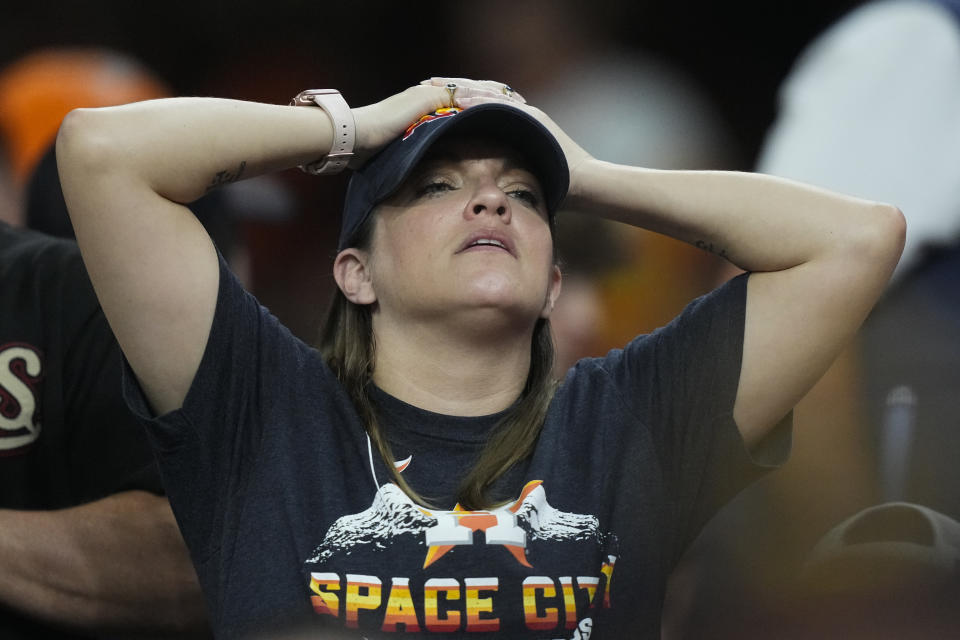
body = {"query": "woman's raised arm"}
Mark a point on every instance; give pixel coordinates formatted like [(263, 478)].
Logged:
[(820, 261), (127, 173)]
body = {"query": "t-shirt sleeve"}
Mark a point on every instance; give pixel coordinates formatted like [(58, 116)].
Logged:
[(681, 382), (207, 447)]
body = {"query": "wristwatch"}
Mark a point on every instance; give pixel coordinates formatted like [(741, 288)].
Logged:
[(344, 130)]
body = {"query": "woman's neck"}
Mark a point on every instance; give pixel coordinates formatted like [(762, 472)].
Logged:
[(446, 371)]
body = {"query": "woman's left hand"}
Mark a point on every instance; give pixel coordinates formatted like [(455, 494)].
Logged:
[(576, 155)]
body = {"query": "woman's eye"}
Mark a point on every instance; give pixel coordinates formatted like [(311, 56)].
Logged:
[(527, 196), (432, 188)]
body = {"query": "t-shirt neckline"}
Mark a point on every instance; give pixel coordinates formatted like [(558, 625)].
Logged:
[(400, 415)]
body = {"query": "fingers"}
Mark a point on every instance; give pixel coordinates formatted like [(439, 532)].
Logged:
[(379, 123), (467, 102), (430, 97), (468, 89)]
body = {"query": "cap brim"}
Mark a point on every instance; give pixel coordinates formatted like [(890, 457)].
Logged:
[(385, 173)]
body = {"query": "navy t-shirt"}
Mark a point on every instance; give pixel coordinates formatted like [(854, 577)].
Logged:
[(294, 525)]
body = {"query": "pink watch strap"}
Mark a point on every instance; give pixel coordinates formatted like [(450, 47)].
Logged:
[(344, 130)]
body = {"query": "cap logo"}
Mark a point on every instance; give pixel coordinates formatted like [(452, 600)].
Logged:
[(446, 112)]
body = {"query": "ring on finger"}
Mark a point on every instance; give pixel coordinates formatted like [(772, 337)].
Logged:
[(508, 90), (451, 88)]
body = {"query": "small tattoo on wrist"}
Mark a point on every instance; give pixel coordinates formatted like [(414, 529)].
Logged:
[(226, 177)]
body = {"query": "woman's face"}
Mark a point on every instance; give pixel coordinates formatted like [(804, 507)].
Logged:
[(467, 232)]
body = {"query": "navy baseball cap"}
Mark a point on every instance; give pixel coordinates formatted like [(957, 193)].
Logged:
[(380, 178)]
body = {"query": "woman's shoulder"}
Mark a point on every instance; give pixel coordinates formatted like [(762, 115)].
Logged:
[(244, 329)]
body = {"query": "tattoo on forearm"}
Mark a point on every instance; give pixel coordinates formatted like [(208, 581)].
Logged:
[(712, 248), (226, 177)]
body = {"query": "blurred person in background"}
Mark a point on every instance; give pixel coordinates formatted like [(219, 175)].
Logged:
[(872, 108), (887, 79), (891, 570), (90, 547), (40, 88)]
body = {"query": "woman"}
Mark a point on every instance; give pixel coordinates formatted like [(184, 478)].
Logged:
[(421, 475)]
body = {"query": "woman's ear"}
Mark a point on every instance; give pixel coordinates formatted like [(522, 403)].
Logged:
[(353, 277), (553, 292)]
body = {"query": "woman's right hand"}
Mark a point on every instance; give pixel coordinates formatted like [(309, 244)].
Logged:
[(379, 123)]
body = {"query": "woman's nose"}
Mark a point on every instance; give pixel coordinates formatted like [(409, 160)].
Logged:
[(490, 199)]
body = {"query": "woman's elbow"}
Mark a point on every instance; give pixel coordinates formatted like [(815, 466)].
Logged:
[(890, 232), (83, 143), (873, 237)]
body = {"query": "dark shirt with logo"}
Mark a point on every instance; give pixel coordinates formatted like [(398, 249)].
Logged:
[(294, 525), (66, 436)]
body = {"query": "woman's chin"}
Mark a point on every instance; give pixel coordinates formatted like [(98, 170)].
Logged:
[(494, 289), (491, 289), (498, 309)]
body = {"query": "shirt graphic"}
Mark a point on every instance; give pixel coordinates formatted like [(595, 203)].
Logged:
[(506, 590), (21, 370)]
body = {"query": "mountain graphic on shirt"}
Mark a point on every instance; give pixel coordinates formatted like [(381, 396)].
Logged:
[(393, 518), (392, 515)]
